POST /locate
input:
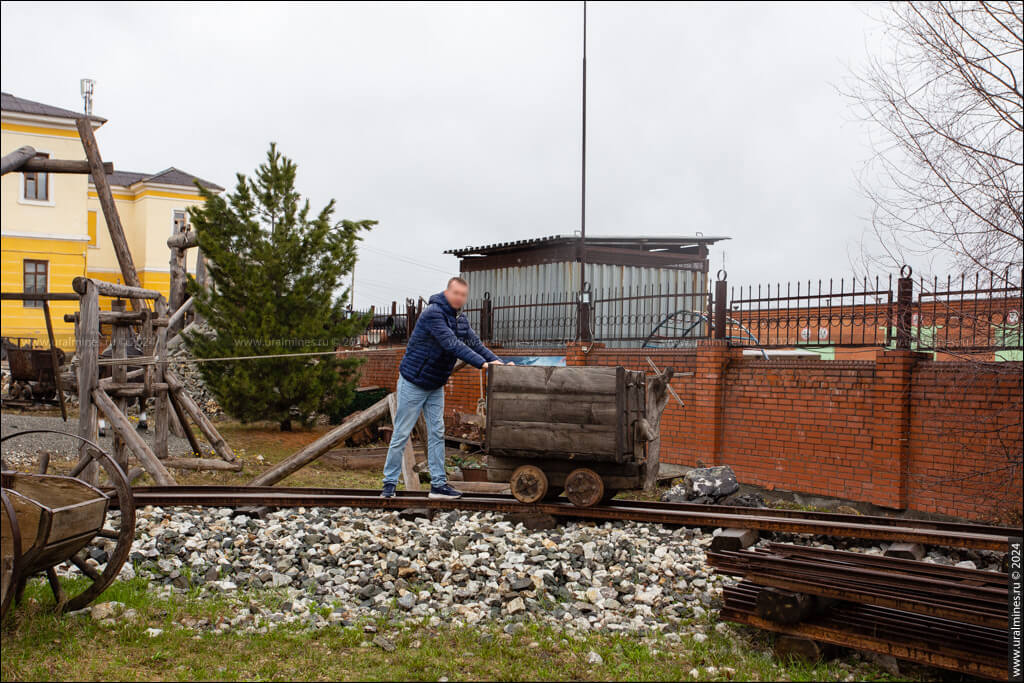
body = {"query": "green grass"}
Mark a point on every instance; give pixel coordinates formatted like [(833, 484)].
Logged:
[(40, 645)]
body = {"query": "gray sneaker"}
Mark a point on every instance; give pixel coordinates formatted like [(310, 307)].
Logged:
[(445, 491), (388, 491)]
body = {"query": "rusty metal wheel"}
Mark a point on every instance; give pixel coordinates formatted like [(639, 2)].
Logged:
[(120, 536), (584, 487), (528, 483)]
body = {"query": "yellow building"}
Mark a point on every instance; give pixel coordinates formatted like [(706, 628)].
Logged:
[(52, 228)]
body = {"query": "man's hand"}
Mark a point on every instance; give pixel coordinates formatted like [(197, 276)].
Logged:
[(494, 362)]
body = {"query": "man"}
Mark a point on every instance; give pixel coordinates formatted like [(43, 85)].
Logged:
[(442, 335)]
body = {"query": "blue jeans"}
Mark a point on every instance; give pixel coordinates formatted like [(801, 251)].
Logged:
[(411, 400)]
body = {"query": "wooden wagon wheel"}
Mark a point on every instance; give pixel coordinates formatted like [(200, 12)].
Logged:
[(584, 487), (122, 536), (528, 484), (11, 553)]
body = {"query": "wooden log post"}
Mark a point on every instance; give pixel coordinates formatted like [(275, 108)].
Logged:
[(110, 215), (409, 475), (200, 279), (203, 464), (182, 417), (199, 417), (174, 322), (119, 375), (311, 452), (178, 280), (113, 289), (179, 338), (657, 399), (124, 428), (75, 166), (16, 159), (162, 407), (53, 359), (87, 342)]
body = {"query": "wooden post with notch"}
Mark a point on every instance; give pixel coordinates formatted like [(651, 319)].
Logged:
[(162, 407), (87, 346), (409, 475), (110, 215), (119, 373)]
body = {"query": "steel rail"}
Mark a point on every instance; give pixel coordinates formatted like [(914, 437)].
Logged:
[(960, 647), (952, 527), (989, 538)]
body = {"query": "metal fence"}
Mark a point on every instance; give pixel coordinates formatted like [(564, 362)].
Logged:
[(858, 312), (968, 314), (962, 314)]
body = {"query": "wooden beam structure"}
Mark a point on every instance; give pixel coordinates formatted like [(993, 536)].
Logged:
[(220, 446), (110, 215), (311, 452), (124, 428)]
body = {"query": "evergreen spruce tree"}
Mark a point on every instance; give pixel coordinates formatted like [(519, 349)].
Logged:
[(277, 275)]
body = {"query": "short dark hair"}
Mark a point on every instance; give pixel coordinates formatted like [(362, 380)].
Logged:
[(456, 279)]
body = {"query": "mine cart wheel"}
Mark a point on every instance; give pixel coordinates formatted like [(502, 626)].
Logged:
[(529, 484), (121, 536), (11, 553), (584, 487)]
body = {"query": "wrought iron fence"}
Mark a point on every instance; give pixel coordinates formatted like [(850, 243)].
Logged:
[(651, 317), (389, 323), (858, 312), (970, 314)]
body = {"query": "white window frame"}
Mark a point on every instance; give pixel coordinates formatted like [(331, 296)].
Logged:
[(52, 201), (48, 290), (174, 211)]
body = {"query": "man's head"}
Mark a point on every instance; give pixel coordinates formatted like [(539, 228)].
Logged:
[(457, 292)]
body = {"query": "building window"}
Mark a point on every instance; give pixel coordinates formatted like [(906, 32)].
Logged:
[(35, 280), (92, 228), (179, 221), (37, 185)]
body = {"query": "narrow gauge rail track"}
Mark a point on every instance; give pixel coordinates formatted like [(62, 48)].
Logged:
[(792, 521)]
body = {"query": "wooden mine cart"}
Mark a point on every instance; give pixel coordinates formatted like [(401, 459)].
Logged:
[(49, 519), (578, 429)]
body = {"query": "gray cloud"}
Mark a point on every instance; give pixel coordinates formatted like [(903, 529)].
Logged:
[(459, 124)]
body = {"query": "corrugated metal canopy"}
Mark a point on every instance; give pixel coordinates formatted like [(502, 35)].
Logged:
[(650, 242)]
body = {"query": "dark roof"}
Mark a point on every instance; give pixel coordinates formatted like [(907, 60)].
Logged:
[(629, 241), (168, 176), (9, 102)]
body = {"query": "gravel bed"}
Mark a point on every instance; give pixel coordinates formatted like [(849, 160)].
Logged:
[(22, 450), (350, 566)]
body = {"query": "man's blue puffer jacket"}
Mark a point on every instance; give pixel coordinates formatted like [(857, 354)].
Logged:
[(442, 335)]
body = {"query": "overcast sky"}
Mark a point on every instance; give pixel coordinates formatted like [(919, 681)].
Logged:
[(458, 125)]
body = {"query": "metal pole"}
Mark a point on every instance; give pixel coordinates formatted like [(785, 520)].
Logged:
[(583, 175)]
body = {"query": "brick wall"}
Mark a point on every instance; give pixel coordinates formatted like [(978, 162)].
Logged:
[(899, 430), (965, 438)]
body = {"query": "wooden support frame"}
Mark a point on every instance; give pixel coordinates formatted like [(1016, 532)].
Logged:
[(119, 375), (220, 446), (87, 338)]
